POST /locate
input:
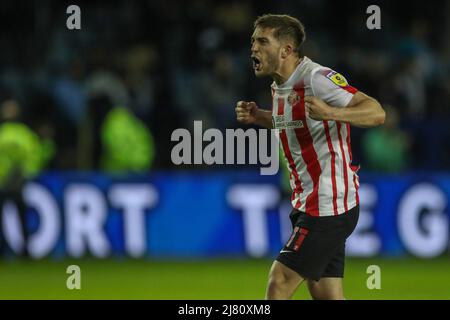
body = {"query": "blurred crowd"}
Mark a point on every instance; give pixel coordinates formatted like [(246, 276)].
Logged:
[(157, 65)]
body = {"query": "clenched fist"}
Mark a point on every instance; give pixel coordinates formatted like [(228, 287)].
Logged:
[(246, 112), (317, 109)]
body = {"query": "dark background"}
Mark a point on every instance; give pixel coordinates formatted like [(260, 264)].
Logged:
[(172, 62)]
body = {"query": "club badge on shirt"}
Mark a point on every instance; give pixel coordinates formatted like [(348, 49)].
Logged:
[(293, 98)]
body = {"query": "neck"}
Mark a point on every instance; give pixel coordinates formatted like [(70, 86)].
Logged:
[(285, 70)]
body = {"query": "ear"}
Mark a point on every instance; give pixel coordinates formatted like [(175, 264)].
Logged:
[(286, 51)]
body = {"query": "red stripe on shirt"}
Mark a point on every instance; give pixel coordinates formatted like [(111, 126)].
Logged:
[(356, 187), (309, 154), (333, 165), (350, 89), (349, 147), (344, 164), (287, 153)]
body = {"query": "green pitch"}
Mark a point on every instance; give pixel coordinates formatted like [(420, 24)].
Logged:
[(210, 279)]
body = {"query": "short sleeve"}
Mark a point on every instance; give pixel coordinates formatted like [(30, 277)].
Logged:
[(332, 87)]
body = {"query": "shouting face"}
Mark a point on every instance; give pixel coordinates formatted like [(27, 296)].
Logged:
[(265, 52)]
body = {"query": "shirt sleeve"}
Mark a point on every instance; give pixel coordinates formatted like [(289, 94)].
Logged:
[(332, 87)]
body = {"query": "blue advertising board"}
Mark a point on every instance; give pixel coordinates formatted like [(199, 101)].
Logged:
[(215, 214)]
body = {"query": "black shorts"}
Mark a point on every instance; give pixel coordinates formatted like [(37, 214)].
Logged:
[(316, 248)]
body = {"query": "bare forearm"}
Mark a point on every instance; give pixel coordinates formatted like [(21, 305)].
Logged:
[(264, 119), (365, 114)]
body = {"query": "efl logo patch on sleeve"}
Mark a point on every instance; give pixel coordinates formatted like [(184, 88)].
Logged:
[(337, 78)]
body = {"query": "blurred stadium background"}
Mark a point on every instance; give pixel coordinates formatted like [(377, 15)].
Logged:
[(98, 107)]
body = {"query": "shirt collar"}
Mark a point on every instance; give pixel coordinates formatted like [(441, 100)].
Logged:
[(293, 79)]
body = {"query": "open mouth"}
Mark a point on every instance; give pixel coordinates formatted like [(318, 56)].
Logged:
[(256, 63)]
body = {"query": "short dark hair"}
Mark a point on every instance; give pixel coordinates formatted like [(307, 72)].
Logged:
[(285, 27)]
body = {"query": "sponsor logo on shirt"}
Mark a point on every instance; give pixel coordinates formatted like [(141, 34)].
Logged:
[(337, 78), (280, 123)]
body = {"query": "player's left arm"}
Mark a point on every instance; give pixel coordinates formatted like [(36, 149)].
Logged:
[(334, 99), (362, 111)]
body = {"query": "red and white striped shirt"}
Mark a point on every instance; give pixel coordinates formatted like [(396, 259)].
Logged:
[(318, 153)]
